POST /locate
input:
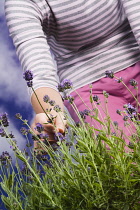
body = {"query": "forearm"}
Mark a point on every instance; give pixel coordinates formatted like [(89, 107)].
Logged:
[(41, 92), (30, 41)]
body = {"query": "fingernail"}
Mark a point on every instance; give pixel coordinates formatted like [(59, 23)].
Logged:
[(61, 130)]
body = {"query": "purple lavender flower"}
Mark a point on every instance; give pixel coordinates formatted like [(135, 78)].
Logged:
[(44, 136), (46, 98), (55, 146), (57, 108), (118, 111), (82, 114), (86, 112), (29, 83), (2, 132), (131, 111), (24, 131), (109, 74), (4, 120), (115, 123), (95, 98), (24, 169), (39, 127), (28, 75), (60, 88), (59, 136), (125, 118), (45, 157), (69, 98), (18, 116), (67, 84), (48, 110), (52, 102), (133, 82), (64, 85), (119, 80), (11, 136), (5, 158)]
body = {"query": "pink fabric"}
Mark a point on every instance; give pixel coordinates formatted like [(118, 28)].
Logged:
[(118, 97)]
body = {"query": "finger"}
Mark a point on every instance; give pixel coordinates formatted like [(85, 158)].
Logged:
[(61, 123), (49, 128), (44, 120)]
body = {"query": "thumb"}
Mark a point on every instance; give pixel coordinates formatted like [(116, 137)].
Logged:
[(61, 123)]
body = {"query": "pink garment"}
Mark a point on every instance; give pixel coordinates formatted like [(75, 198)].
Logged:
[(118, 97)]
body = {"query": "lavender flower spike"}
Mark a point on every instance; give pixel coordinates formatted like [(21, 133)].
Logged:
[(24, 131), (64, 85), (95, 98), (57, 108), (46, 98), (2, 132), (60, 88), (29, 83), (28, 75), (133, 82), (67, 84), (109, 74), (4, 119), (39, 127)]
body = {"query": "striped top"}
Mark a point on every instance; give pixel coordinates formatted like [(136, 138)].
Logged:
[(87, 37)]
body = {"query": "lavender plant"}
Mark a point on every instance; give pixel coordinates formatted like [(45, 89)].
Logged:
[(86, 169)]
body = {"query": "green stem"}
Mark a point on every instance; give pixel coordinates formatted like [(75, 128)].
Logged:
[(41, 105)]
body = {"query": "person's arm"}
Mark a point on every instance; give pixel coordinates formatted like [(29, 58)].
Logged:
[(25, 19), (132, 10)]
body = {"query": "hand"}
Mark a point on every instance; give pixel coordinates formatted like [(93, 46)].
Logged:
[(50, 129)]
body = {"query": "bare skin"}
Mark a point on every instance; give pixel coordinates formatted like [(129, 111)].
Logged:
[(40, 117)]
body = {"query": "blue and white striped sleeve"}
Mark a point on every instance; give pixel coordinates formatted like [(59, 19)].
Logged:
[(24, 20)]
